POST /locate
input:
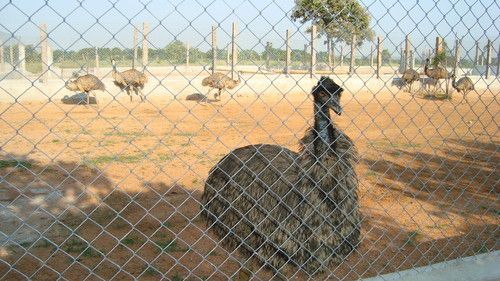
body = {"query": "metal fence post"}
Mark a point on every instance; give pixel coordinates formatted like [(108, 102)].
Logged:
[(407, 53), (341, 55), (313, 51), (353, 55), (145, 50), (371, 55), (44, 53), (21, 55), (379, 56), (214, 48), (288, 59), (488, 59), (457, 57), (329, 52), (96, 71), (134, 58), (187, 56), (234, 49)]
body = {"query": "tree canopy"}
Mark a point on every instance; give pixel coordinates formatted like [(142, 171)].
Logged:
[(338, 19)]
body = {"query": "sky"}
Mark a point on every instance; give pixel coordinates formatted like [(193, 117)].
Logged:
[(74, 24)]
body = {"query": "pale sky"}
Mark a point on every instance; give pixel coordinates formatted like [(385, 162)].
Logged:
[(88, 23)]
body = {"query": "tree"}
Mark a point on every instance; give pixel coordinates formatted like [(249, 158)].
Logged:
[(386, 56), (176, 52), (338, 19), (250, 55), (445, 57)]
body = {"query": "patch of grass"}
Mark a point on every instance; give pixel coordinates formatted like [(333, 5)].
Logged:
[(165, 157), (130, 240), (126, 134), (43, 243), (438, 95), (170, 246), (15, 164), (56, 140), (107, 142), (177, 277), (113, 158), (482, 249), (34, 67), (103, 216), (186, 134), (25, 244), (120, 224), (370, 173), (394, 145), (74, 246), (412, 238), (490, 210), (91, 253), (151, 271)]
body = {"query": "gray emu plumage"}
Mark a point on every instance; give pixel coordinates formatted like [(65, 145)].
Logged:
[(287, 208), (128, 80), (86, 83), (409, 76), (464, 85)]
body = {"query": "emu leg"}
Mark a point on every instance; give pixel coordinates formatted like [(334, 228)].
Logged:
[(138, 93), (143, 97), (208, 93), (129, 94), (219, 92)]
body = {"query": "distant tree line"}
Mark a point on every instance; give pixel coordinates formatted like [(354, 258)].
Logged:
[(175, 53)]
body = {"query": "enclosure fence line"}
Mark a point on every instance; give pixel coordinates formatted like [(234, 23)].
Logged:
[(308, 140)]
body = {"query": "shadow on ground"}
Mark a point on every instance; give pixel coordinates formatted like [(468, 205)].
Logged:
[(72, 220)]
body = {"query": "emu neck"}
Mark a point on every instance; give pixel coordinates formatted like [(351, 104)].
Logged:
[(323, 127)]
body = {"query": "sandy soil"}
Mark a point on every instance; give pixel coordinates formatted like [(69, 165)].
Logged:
[(112, 191)]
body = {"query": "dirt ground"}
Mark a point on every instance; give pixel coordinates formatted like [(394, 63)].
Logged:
[(111, 192)]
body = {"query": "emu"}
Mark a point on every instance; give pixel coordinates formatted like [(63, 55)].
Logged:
[(131, 79), (410, 76), (464, 85), (86, 83), (220, 81), (287, 208), (437, 73)]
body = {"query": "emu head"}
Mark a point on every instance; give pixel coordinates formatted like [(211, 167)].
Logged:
[(71, 85), (328, 93)]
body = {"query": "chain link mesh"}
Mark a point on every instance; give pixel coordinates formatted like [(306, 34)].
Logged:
[(113, 189)]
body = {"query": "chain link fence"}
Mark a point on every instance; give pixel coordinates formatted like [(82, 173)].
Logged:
[(391, 163)]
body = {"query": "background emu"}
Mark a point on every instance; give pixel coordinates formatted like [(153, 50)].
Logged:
[(220, 81), (464, 85), (410, 76), (86, 83), (436, 73), (290, 208), (131, 79)]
